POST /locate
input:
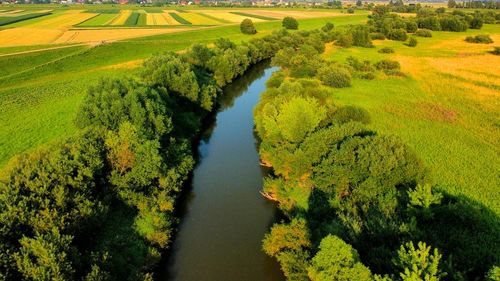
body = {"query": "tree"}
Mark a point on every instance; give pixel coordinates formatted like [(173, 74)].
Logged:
[(361, 36), (418, 263), (247, 27), (290, 23), (452, 4), (292, 236), (337, 261), (359, 3)]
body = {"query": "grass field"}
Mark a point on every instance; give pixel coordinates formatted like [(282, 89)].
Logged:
[(446, 109)]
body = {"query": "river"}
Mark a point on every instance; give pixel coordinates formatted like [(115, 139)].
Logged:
[(224, 217)]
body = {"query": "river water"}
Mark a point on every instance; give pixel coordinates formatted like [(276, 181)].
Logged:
[(225, 217)]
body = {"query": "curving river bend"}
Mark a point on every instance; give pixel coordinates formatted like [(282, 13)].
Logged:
[(224, 216)]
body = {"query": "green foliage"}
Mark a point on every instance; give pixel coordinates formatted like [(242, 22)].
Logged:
[(397, 34), (173, 73), (327, 27), (476, 23), (132, 20), (337, 260), (294, 265), (496, 51), (418, 263), (386, 50), (423, 33), (388, 65), (350, 10), (413, 42), (247, 27), (493, 274), (344, 40), (334, 76), (290, 23), (361, 36), (286, 237), (377, 36), (479, 39)]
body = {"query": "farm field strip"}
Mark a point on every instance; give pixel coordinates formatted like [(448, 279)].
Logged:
[(99, 20), (122, 17), (255, 16), (197, 19), (63, 21), (12, 12), (175, 15), (169, 19), (227, 15), (214, 18)]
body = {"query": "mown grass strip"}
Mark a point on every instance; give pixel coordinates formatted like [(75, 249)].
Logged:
[(104, 11), (98, 20), (178, 18), (214, 18), (142, 20), (9, 20), (253, 16), (132, 19)]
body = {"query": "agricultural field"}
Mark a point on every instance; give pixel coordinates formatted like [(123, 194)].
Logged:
[(446, 109)]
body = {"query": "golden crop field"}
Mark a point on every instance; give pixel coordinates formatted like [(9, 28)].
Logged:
[(169, 19), (122, 17), (157, 19), (28, 36), (227, 15), (63, 21), (89, 36), (196, 18)]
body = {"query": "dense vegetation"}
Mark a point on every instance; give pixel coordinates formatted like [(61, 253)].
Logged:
[(100, 204), (359, 205), (247, 27)]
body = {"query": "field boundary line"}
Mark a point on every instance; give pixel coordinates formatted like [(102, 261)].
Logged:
[(43, 49)]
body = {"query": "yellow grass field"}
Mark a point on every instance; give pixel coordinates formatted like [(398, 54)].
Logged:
[(122, 17), (196, 18), (28, 36), (157, 19), (226, 15), (96, 36), (64, 20), (169, 19)]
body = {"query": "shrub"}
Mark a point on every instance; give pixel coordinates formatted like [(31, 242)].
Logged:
[(398, 34), (411, 26), (350, 10), (453, 23), (480, 39), (348, 113), (377, 36), (388, 65), (386, 50), (496, 51), (423, 33), (345, 40), (431, 23), (476, 23), (327, 27), (247, 27), (413, 42), (368, 76), (334, 76), (290, 23), (361, 36)]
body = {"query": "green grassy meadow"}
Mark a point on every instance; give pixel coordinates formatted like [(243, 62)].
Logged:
[(449, 116), (39, 103)]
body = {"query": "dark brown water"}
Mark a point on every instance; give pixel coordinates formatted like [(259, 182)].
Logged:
[(225, 217)]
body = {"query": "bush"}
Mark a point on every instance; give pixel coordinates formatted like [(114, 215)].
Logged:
[(290, 23), (423, 33), (344, 40), (480, 39), (431, 23), (413, 42), (377, 36), (398, 34), (345, 114), (476, 23), (361, 37), (388, 65), (411, 26), (453, 23), (496, 51), (327, 27), (247, 27), (386, 50), (334, 76), (350, 10)]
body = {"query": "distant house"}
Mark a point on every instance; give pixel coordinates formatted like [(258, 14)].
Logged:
[(123, 2)]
